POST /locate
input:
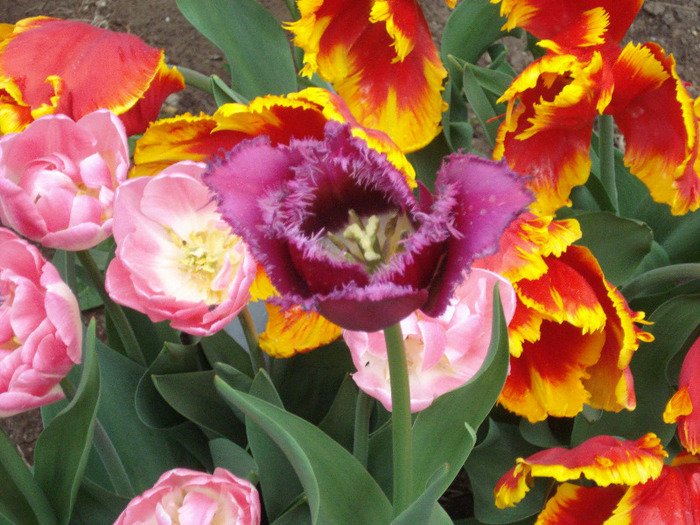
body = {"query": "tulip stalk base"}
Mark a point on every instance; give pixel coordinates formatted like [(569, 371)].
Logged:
[(400, 419)]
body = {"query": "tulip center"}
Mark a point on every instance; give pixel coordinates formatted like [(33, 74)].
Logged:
[(203, 258), (372, 240)]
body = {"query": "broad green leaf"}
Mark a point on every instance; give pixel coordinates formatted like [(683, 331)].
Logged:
[(96, 506), (484, 110), (454, 416), (425, 508), (222, 348), (279, 482), (21, 498), (254, 43), (618, 244), (490, 460), (62, 449), (334, 482), (340, 419), (538, 434), (674, 322), (492, 81), (192, 394), (228, 455), (223, 94)]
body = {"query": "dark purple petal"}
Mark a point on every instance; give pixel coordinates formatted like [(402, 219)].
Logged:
[(485, 197)]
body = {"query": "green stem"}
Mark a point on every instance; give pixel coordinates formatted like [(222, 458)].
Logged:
[(360, 443), (606, 155), (115, 312), (196, 79), (400, 418), (257, 359), (674, 275)]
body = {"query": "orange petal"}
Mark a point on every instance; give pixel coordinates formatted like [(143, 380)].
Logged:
[(548, 19), (681, 407), (547, 134), (84, 68), (672, 499), (576, 505), (655, 114), (602, 459), (381, 59), (295, 331)]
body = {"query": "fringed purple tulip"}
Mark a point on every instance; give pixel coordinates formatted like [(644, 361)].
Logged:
[(338, 230)]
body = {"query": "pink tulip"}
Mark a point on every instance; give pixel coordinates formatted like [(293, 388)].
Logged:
[(57, 179), (442, 352), (40, 328), (195, 498), (176, 258)]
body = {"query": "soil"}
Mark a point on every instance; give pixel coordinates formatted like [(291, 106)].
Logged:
[(674, 24)]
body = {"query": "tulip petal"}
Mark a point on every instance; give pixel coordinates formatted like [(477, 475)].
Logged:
[(655, 114), (381, 59), (132, 76), (602, 459), (681, 407), (576, 505)]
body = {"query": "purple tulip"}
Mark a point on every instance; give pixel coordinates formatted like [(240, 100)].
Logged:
[(338, 230)]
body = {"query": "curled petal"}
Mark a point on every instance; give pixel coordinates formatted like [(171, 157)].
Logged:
[(133, 78), (381, 59), (576, 505), (656, 115), (602, 459)]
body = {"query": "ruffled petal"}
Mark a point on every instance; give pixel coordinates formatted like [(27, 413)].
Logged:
[(655, 114), (293, 331), (576, 505), (550, 19), (132, 76), (602, 459), (681, 407), (381, 59), (547, 134)]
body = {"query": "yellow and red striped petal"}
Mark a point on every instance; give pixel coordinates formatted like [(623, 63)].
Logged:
[(577, 505), (555, 19), (681, 407), (294, 331), (547, 134), (83, 69), (381, 59), (602, 459), (301, 115), (672, 499), (656, 115)]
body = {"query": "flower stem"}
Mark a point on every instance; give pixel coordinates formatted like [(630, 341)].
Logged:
[(400, 418), (257, 359), (115, 312), (196, 79), (606, 155), (360, 442)]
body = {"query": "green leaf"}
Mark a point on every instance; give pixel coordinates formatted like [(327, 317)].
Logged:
[(192, 394), (484, 110), (490, 460), (617, 243), (228, 455), (425, 508), (222, 348), (674, 322), (490, 80), (279, 482), (470, 30), (454, 416), (21, 499), (153, 410), (333, 480), (96, 506), (253, 42), (340, 419), (62, 449)]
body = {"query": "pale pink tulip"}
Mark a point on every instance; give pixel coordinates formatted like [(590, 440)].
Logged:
[(40, 328), (176, 259), (189, 497), (442, 352), (57, 179)]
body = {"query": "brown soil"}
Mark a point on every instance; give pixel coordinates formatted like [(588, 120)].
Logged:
[(674, 24)]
